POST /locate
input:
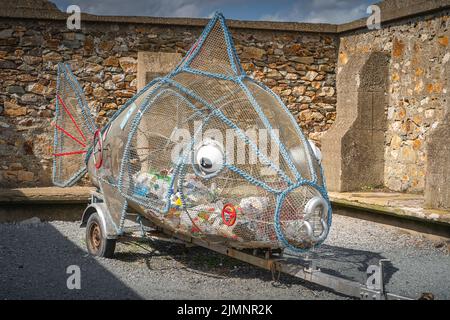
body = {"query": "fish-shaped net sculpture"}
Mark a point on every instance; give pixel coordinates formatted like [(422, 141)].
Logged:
[(205, 150)]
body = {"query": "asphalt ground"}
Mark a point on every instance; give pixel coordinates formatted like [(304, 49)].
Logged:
[(35, 258)]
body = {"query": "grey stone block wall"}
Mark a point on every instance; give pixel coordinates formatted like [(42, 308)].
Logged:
[(104, 57)]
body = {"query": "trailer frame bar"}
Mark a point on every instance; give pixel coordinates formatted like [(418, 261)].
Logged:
[(307, 270)]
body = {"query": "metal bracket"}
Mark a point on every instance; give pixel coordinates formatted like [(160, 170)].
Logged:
[(381, 264), (96, 197), (378, 292), (369, 294), (311, 265)]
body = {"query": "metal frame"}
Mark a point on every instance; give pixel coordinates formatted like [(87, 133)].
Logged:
[(307, 269), (168, 84), (238, 77)]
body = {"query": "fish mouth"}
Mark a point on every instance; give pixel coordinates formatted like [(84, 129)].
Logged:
[(302, 218)]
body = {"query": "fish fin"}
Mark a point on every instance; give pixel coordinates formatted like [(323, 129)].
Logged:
[(214, 52)]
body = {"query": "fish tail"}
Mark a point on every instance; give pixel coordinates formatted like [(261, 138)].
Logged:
[(74, 130)]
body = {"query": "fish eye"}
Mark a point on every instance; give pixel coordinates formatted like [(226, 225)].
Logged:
[(209, 157), (206, 163)]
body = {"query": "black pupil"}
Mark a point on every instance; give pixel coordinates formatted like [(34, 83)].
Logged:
[(206, 163)]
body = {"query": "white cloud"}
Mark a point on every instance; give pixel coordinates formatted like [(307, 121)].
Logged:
[(338, 15), (323, 11), (162, 8), (155, 8)]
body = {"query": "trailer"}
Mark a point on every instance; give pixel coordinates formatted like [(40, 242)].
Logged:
[(97, 221)]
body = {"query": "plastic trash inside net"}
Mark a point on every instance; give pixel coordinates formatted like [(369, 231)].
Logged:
[(152, 183)]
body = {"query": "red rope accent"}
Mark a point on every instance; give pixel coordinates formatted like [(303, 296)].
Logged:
[(193, 49), (70, 136), (98, 137), (68, 153), (71, 117)]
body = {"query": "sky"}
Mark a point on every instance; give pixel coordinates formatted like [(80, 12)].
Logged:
[(325, 11)]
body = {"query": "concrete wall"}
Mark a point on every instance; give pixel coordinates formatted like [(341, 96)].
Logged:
[(437, 188), (354, 146)]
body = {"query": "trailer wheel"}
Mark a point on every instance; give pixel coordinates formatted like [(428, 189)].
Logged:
[(96, 241)]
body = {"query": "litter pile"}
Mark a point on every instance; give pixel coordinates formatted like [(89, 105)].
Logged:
[(201, 210)]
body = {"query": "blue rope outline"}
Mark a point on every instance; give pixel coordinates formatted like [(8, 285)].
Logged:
[(229, 42), (180, 171), (124, 107), (124, 165), (63, 70), (297, 127), (184, 66), (55, 132), (207, 74), (279, 203), (193, 51), (81, 99), (233, 126), (266, 122), (245, 175)]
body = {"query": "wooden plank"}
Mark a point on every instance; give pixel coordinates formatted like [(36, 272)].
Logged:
[(46, 195)]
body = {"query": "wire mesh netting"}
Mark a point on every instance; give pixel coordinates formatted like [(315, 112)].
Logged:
[(289, 133), (211, 153), (152, 153), (300, 228), (213, 53), (73, 130)]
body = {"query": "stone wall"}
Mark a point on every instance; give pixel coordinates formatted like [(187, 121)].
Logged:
[(298, 61), (418, 48), (103, 56)]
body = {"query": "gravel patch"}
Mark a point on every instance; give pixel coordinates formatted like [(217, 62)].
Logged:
[(35, 257), (418, 263)]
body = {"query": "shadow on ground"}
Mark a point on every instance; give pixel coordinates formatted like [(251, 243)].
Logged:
[(35, 257), (342, 262), (350, 264), (33, 263)]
